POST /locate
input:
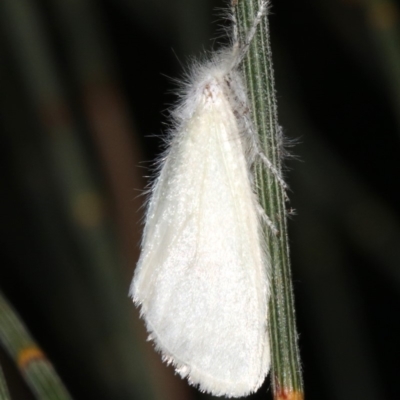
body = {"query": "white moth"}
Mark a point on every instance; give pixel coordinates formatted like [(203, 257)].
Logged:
[(202, 277)]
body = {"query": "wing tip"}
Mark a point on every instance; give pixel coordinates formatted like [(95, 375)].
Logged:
[(196, 377), (203, 381)]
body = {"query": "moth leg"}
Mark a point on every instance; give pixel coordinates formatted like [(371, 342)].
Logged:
[(243, 49), (267, 220), (264, 159), (268, 164)]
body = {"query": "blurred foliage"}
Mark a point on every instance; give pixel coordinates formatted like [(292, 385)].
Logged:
[(84, 88)]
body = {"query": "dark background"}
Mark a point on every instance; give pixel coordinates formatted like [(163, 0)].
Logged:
[(84, 89)]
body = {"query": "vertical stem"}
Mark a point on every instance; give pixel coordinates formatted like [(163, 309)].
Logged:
[(286, 374)]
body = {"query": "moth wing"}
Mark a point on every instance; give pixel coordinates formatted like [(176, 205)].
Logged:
[(201, 279)]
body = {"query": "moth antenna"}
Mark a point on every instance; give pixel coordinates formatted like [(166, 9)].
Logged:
[(267, 220), (234, 23), (242, 50)]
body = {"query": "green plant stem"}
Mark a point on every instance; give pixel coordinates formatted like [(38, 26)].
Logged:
[(257, 66), (4, 394), (33, 364)]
